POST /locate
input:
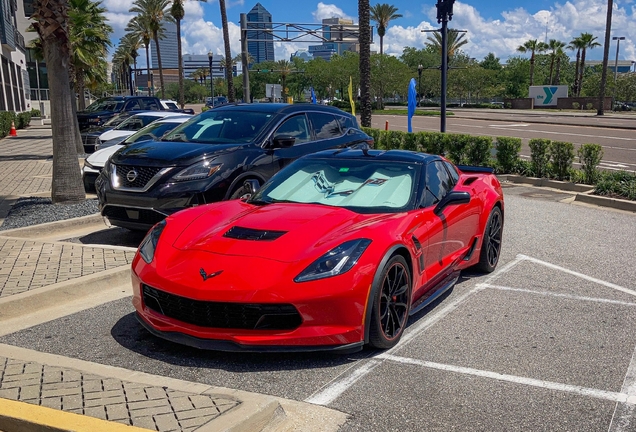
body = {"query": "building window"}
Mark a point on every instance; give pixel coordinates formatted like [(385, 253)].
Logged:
[(7, 84), (28, 8)]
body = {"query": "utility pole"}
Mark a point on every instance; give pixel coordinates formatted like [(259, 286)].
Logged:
[(444, 15), (608, 29), (244, 65), (618, 40)]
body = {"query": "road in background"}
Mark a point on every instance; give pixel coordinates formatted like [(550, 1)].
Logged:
[(615, 134)]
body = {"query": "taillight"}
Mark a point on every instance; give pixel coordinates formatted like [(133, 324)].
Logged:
[(370, 142)]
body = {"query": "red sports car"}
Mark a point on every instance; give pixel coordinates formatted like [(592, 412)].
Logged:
[(333, 253)]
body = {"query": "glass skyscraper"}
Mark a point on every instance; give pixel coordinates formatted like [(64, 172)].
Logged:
[(168, 47), (260, 44)]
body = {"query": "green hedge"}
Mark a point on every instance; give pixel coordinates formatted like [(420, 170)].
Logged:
[(6, 117), (23, 120), (508, 149)]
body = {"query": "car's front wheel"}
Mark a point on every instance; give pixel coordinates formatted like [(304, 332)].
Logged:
[(391, 304), (240, 192), (491, 245)]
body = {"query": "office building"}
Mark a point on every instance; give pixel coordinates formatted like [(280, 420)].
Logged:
[(260, 44), (341, 38), (13, 72), (168, 47), (302, 54)]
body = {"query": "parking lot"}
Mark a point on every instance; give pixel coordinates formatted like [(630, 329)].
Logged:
[(546, 342)]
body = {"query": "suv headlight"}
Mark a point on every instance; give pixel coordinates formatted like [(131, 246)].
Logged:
[(149, 244), (197, 171), (337, 261)]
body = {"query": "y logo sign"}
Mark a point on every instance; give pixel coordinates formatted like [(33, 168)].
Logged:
[(549, 92)]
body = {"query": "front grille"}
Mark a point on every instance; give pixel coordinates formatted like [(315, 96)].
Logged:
[(145, 216), (241, 233), (142, 177), (244, 316), (90, 139)]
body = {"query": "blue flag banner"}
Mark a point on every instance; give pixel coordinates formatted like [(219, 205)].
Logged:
[(313, 96), (412, 101)]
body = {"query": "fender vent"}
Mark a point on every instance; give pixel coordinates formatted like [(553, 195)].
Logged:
[(241, 233), (469, 181)]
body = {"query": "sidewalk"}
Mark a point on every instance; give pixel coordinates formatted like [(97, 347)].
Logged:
[(44, 278)]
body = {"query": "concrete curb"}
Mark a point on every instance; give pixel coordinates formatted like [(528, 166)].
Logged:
[(52, 229), (14, 306), (603, 201)]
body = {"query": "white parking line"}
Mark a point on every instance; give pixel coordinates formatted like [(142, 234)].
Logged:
[(626, 420), (553, 294), (577, 274), (583, 391), (346, 379), (509, 125)]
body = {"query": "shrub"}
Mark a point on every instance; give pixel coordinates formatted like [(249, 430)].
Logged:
[(508, 149), (35, 112), (589, 105), (616, 183), (540, 156), (478, 151), (373, 133), (23, 119), (562, 155), (431, 142), (204, 108), (576, 105), (457, 144), (6, 117), (409, 142), (590, 156), (390, 140)]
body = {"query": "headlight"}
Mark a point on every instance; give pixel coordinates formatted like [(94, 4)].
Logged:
[(197, 171), (337, 261), (149, 244), (87, 164), (94, 120)]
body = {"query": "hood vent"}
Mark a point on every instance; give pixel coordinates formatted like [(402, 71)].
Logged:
[(241, 233)]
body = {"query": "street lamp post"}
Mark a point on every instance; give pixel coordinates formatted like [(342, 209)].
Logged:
[(210, 56), (419, 81), (618, 40)]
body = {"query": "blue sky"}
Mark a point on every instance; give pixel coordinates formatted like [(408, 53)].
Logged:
[(492, 26)]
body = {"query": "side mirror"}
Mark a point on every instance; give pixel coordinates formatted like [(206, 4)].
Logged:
[(283, 141), (452, 198), (251, 186)]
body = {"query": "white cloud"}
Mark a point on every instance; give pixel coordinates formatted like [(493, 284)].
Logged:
[(329, 11)]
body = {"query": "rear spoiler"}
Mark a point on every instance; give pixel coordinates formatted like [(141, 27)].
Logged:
[(475, 169)]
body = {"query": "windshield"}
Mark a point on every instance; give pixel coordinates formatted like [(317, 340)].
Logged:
[(153, 131), (136, 122), (360, 185), (221, 127), (105, 105)]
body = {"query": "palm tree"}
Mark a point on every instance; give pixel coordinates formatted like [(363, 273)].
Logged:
[(608, 29), (587, 41), (454, 40), (533, 46), (382, 14), (554, 45), (285, 67), (576, 44), (90, 38), (228, 52), (153, 14), (364, 25), (138, 28), (50, 20), (559, 53)]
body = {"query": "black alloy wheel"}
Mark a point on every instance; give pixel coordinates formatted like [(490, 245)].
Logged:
[(491, 245), (241, 192), (391, 304)]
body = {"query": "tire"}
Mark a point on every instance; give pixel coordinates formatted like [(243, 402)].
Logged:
[(238, 193), (491, 244), (391, 304)]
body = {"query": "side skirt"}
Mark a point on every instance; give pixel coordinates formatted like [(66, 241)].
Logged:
[(446, 284)]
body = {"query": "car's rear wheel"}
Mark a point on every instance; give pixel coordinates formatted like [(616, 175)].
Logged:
[(240, 192), (391, 304), (491, 245)]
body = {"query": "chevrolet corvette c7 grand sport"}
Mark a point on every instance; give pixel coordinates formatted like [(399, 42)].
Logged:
[(333, 253)]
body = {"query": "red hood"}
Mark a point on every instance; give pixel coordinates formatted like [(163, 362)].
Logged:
[(306, 226)]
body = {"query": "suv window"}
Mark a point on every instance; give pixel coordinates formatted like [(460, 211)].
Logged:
[(297, 127), (325, 126), (151, 104), (438, 183), (347, 122), (133, 105)]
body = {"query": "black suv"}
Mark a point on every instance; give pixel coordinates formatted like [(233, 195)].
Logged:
[(100, 111), (210, 157)]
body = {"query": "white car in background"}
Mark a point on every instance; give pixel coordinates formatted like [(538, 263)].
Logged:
[(134, 123), (95, 162)]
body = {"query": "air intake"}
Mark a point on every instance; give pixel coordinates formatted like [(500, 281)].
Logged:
[(241, 233)]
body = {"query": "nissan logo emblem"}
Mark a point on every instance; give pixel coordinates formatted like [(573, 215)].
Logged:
[(131, 176)]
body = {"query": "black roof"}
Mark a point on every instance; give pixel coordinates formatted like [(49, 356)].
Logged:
[(376, 155), (282, 108)]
